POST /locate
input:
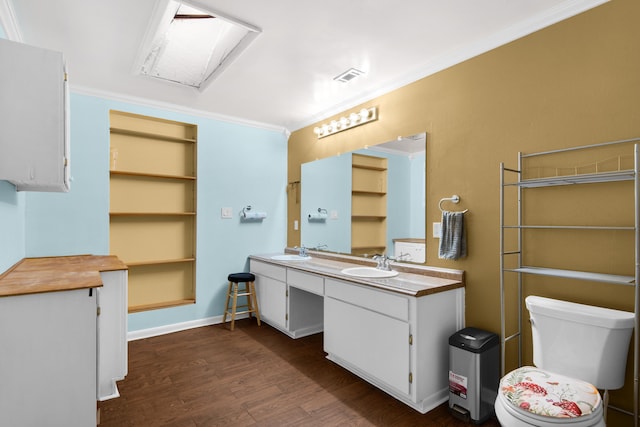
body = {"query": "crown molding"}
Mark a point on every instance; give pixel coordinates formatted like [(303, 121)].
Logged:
[(82, 90)]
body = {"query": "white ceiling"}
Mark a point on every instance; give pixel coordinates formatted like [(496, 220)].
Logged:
[(285, 77)]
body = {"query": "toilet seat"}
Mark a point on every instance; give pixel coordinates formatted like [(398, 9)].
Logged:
[(532, 396)]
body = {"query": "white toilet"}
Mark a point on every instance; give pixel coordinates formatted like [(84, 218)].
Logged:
[(577, 349)]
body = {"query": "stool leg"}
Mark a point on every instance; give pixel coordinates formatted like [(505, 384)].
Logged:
[(226, 304), (247, 292), (254, 304), (235, 304)]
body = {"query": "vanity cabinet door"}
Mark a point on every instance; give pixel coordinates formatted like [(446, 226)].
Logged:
[(272, 301), (372, 343)]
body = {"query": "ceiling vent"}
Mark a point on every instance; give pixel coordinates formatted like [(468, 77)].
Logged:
[(348, 75), (189, 44)]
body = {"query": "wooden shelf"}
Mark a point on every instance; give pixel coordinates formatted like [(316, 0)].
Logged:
[(157, 262), (150, 135), (362, 248), (166, 304), (368, 193), (369, 167), (151, 175)]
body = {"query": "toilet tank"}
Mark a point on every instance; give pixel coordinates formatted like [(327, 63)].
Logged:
[(580, 341)]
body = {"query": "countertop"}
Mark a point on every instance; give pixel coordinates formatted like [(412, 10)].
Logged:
[(413, 280), (52, 274)]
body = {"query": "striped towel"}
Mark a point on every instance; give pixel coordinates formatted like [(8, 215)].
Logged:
[(453, 242)]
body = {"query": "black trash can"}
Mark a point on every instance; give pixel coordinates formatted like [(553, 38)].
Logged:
[(474, 374)]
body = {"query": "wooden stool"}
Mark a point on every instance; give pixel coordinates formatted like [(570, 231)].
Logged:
[(249, 291)]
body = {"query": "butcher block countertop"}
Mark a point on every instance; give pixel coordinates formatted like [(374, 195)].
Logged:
[(52, 274)]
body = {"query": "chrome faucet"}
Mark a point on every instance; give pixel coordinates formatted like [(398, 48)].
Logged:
[(302, 251), (383, 262)]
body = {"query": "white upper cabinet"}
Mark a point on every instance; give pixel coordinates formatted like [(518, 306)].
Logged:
[(34, 121)]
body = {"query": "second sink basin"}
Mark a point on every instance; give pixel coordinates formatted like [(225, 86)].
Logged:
[(368, 272), (290, 257)]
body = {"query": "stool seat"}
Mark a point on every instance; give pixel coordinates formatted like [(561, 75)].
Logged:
[(233, 293), (241, 277)]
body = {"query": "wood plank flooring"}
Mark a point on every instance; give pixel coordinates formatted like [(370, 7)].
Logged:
[(253, 376)]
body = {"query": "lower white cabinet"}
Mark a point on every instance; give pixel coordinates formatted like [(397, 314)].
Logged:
[(398, 343), (272, 301), (374, 344), (48, 359), (289, 300), (112, 333)]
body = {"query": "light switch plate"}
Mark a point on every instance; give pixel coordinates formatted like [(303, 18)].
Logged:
[(334, 214), (226, 213), (437, 230)]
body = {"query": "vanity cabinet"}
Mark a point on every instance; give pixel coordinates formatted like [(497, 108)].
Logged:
[(393, 332), (369, 331), (396, 342), (34, 140), (271, 290), (289, 300)]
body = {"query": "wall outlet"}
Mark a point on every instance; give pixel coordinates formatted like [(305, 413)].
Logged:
[(226, 213), (437, 230), (334, 215)]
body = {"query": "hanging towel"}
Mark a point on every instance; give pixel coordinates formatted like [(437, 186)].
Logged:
[(453, 243)]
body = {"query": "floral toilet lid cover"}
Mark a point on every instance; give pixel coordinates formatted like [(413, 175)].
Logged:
[(548, 394)]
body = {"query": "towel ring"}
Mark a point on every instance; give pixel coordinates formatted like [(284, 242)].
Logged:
[(454, 199)]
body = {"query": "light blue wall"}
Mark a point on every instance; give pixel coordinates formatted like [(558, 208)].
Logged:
[(12, 225), (418, 203), (326, 184), (238, 165)]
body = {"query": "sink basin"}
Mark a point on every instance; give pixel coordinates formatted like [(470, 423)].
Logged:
[(369, 272), (290, 257)]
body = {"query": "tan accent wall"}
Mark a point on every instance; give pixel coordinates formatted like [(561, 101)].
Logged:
[(574, 83)]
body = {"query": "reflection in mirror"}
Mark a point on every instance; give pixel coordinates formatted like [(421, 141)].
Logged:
[(366, 202)]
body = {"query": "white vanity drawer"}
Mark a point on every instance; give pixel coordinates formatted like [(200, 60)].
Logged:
[(382, 302), (269, 270), (305, 281)]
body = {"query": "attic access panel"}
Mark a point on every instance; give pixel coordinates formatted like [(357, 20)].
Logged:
[(190, 45)]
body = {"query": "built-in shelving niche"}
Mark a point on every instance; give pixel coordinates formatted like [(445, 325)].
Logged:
[(153, 208)]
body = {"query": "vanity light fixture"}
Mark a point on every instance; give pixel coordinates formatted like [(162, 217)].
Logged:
[(354, 119)]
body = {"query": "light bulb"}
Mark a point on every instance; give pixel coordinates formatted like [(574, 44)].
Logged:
[(364, 114), (354, 117), (344, 122), (316, 130)]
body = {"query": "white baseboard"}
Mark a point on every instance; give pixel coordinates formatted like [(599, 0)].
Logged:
[(176, 327)]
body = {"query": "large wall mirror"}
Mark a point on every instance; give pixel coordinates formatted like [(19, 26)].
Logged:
[(366, 202)]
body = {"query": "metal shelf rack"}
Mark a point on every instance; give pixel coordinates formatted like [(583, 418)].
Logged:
[(515, 257)]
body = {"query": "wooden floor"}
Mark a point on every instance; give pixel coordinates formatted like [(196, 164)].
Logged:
[(254, 376)]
